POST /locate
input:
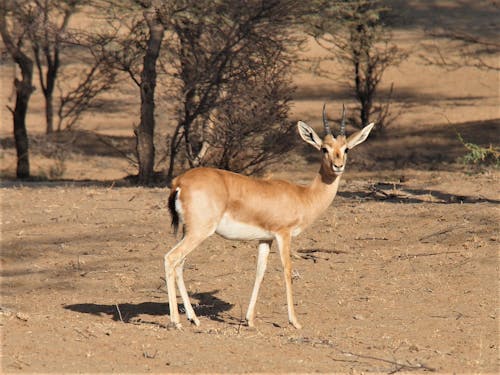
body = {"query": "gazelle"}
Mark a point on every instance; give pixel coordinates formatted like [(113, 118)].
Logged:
[(237, 207)]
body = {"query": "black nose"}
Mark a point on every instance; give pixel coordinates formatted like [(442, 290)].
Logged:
[(338, 166)]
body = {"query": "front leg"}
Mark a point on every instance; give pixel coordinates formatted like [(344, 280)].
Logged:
[(261, 269), (284, 240)]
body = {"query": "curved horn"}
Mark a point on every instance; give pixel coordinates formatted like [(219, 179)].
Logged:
[(342, 123), (325, 121)]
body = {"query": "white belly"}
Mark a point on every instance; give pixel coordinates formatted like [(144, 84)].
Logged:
[(236, 230)]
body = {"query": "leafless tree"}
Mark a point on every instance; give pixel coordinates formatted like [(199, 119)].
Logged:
[(146, 128), (138, 39), (15, 19), (210, 46), (354, 33), (46, 34), (219, 54), (49, 36)]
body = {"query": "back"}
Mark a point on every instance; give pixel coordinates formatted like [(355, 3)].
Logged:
[(245, 199)]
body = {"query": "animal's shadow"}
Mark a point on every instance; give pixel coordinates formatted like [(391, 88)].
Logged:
[(208, 305)]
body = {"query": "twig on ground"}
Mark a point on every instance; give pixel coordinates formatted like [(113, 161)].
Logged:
[(438, 233), (408, 256), (119, 313), (328, 343), (148, 355), (241, 319), (400, 366)]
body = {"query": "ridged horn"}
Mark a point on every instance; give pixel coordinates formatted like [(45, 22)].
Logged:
[(325, 121), (342, 122)]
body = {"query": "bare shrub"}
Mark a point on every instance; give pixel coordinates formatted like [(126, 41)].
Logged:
[(226, 60), (354, 34), (251, 131)]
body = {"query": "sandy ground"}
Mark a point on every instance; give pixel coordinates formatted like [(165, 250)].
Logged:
[(393, 277), (400, 274)]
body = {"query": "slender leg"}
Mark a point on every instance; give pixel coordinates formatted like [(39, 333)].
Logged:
[(172, 260), (184, 294), (264, 248), (284, 249), (172, 294)]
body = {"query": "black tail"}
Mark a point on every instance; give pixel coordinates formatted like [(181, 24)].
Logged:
[(173, 211)]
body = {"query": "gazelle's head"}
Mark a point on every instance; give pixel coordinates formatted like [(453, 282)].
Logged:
[(334, 149)]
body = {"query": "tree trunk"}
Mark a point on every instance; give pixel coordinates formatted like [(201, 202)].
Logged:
[(145, 130), (24, 89), (23, 93), (48, 92), (49, 113), (174, 149), (365, 111)]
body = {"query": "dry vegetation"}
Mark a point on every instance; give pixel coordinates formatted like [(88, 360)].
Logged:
[(399, 275)]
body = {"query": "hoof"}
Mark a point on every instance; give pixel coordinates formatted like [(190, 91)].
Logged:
[(195, 321), (296, 324), (171, 326)]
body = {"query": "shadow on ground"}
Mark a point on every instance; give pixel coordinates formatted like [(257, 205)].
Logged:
[(429, 148), (398, 193), (434, 13), (208, 305), (77, 142)]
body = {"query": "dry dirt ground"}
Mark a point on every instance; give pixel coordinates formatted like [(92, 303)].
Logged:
[(393, 277), (400, 274)]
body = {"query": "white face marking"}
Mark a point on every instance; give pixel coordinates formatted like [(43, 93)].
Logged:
[(338, 170), (236, 230)]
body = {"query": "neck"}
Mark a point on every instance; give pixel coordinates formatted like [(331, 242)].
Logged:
[(325, 183), (327, 177), (322, 190)]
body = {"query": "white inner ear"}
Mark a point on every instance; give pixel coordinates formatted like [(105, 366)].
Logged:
[(309, 135), (360, 136)]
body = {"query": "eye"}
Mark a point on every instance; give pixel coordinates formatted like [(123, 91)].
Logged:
[(346, 150), (324, 150)]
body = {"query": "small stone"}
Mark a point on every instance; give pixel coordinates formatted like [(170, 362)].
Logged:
[(22, 316)]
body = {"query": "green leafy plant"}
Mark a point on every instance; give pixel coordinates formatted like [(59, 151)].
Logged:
[(479, 155)]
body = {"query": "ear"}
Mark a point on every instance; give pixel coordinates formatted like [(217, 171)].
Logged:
[(359, 137), (309, 135)]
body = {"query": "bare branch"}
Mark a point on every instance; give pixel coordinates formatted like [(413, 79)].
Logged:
[(221, 52), (353, 33), (462, 49)]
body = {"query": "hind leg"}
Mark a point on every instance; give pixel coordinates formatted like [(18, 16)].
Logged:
[(196, 209), (191, 316), (173, 260)]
